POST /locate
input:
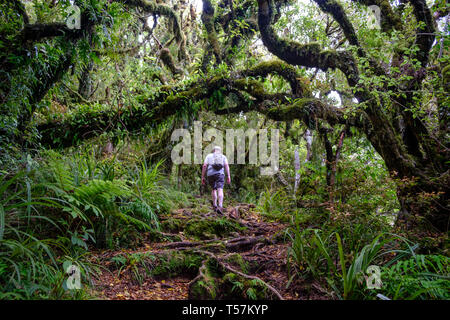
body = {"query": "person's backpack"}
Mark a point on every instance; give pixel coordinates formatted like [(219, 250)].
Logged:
[(217, 163)]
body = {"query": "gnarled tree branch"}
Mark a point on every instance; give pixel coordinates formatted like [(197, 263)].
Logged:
[(282, 69), (338, 13), (307, 55)]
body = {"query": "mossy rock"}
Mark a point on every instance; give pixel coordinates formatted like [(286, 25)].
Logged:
[(173, 225), (211, 228), (138, 259), (201, 210), (155, 236), (143, 265), (202, 228)]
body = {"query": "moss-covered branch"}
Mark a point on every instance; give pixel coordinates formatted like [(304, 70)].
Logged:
[(39, 31), (337, 12), (310, 110), (20, 108), (208, 22), (288, 72), (171, 101), (169, 62), (307, 55)]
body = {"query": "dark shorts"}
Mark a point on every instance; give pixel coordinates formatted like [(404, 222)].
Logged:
[(216, 181)]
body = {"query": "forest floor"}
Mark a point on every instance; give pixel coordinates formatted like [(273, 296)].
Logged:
[(247, 251)]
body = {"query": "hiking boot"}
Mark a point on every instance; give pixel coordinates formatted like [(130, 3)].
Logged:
[(214, 208), (220, 210)]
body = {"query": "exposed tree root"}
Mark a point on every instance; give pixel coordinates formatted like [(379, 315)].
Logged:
[(186, 244), (244, 243), (201, 275), (233, 270)]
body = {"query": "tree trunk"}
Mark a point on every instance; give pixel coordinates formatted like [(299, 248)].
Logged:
[(424, 201), (422, 184)]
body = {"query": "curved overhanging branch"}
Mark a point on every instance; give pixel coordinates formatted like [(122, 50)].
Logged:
[(391, 20), (338, 13), (310, 110), (38, 31), (307, 55), (172, 99), (380, 132), (24, 107), (288, 72)]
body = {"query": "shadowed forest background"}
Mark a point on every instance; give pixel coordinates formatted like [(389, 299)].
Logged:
[(87, 178)]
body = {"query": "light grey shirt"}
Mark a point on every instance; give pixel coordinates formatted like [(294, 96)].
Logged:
[(209, 160)]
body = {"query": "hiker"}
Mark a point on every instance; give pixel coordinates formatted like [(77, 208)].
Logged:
[(214, 165)]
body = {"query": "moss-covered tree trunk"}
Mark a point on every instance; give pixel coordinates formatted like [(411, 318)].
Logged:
[(422, 189)]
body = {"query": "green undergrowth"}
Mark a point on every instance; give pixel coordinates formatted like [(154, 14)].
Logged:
[(162, 265), (218, 283), (56, 206), (349, 255)]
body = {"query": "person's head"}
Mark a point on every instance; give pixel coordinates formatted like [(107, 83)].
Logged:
[(216, 149)]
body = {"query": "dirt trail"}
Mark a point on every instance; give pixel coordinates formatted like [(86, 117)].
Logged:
[(202, 255)]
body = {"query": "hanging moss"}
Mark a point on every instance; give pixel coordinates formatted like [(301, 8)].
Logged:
[(208, 22)]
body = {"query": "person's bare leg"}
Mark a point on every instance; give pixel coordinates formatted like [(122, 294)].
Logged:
[(214, 197), (220, 196)]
